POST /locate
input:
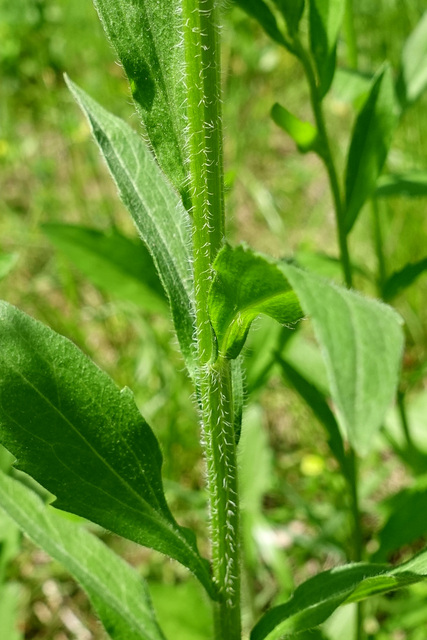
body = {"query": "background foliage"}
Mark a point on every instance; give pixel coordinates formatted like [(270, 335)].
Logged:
[(279, 202)]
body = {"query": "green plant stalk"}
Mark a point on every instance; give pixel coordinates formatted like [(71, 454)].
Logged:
[(379, 246), (357, 531), (350, 35), (201, 41), (327, 157), (328, 160), (404, 420)]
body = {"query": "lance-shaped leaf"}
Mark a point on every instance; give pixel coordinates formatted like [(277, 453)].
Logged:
[(403, 278), (414, 63), (370, 142), (325, 22), (247, 284), (304, 134), (362, 344), (117, 592), (116, 264), (315, 600), (79, 436), (259, 10), (409, 185), (361, 339), (292, 11), (156, 209), (147, 36)]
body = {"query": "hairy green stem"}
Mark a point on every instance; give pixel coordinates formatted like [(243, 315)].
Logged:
[(201, 41), (350, 35), (205, 151), (220, 450), (328, 160)]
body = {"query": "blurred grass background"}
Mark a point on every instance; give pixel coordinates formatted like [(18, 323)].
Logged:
[(278, 201)]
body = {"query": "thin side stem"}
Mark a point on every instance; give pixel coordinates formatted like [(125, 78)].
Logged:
[(327, 157), (404, 419), (339, 207), (350, 35), (357, 532), (379, 246), (214, 377)]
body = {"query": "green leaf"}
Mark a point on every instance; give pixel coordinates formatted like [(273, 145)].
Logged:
[(148, 39), (325, 21), (9, 543), (245, 285), (315, 600), (10, 600), (158, 214), (304, 134), (183, 611), (239, 394), (7, 262), (117, 592), (116, 264), (407, 519), (403, 278), (292, 11), (362, 344), (351, 86), (370, 142), (318, 404), (259, 10), (409, 185), (414, 62), (79, 436), (361, 339)]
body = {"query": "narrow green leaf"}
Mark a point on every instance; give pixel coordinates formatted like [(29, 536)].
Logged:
[(158, 214), (304, 134), (325, 21), (292, 11), (315, 600), (259, 10), (147, 36), (362, 344), (370, 142), (318, 404), (402, 279), (239, 389), (410, 184), (116, 264), (414, 62), (361, 339), (407, 519), (117, 592), (247, 284), (79, 436)]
